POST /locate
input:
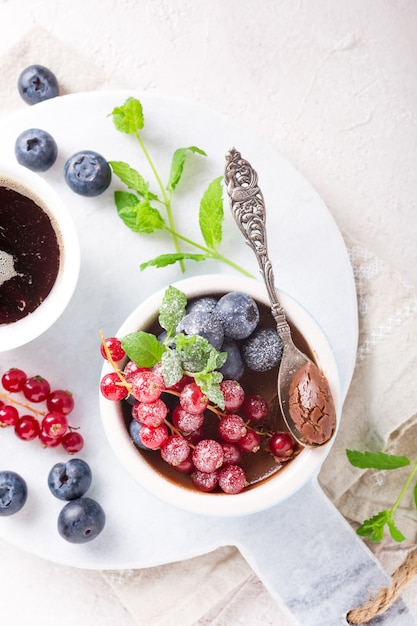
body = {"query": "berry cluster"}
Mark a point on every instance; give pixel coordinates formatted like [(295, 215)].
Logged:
[(175, 421), (20, 409)]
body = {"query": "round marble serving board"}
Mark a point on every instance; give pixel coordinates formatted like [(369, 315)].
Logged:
[(311, 264)]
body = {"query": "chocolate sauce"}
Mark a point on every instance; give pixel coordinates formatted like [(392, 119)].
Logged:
[(29, 255)]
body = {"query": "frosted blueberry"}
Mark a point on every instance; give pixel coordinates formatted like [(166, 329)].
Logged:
[(234, 366), (238, 313), (70, 480), (205, 324), (37, 83), (206, 304), (262, 350), (81, 520), (36, 149), (13, 493)]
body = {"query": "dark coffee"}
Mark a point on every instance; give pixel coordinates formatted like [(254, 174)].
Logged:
[(29, 255)]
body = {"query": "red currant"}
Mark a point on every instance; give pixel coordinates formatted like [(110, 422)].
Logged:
[(61, 401), (114, 346), (186, 466), (36, 389), (47, 441), (27, 428), (186, 422), (192, 399), (13, 380), (232, 479), (154, 437), (233, 395), (175, 450), (205, 481), (255, 408), (282, 445), (232, 428), (9, 415), (231, 453), (112, 388), (54, 425), (208, 455), (130, 370), (72, 442), (146, 386), (151, 413), (251, 442)]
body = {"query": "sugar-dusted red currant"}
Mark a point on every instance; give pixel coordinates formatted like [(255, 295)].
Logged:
[(233, 395), (251, 442), (146, 386), (9, 415), (60, 400), (232, 479), (175, 450), (154, 437), (282, 445), (112, 388), (150, 413), (36, 388), (72, 442), (208, 455), (13, 380), (192, 399), (205, 481), (186, 466), (231, 453), (27, 427), (255, 408), (232, 428), (114, 346), (130, 369), (186, 422), (54, 425)]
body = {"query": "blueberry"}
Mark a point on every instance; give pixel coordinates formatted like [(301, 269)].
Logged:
[(262, 350), (234, 366), (206, 304), (205, 324), (13, 493), (87, 173), (238, 313), (81, 520), (36, 149), (70, 480), (134, 431), (37, 83)]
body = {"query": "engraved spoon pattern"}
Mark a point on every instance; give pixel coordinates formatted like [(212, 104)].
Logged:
[(304, 395)]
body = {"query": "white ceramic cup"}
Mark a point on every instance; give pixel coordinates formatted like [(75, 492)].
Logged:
[(27, 183), (275, 488)]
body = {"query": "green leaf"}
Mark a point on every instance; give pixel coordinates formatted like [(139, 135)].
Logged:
[(212, 214), (177, 165), (376, 460), (171, 368), (143, 348), (374, 527), (129, 118), (209, 385), (395, 533), (169, 259), (172, 309), (132, 179), (139, 216)]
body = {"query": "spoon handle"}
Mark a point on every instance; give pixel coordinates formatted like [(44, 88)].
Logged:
[(248, 209)]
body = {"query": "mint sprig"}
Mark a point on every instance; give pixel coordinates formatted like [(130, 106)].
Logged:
[(140, 208), (374, 527), (179, 354)]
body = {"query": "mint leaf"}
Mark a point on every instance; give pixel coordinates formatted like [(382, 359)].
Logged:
[(212, 214), (376, 460), (172, 309), (143, 348), (132, 179), (170, 258), (171, 368), (209, 385), (141, 218), (395, 533), (374, 527), (177, 165), (129, 117)]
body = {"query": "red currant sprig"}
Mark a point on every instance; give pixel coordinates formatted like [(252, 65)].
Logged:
[(50, 423)]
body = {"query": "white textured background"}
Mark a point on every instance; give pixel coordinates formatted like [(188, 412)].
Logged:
[(331, 85)]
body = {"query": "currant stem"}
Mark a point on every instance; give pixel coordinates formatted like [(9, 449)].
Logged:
[(29, 407)]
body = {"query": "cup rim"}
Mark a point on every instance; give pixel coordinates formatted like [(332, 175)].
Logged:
[(34, 324), (272, 490)]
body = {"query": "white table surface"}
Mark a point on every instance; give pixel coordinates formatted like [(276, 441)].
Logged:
[(331, 86)]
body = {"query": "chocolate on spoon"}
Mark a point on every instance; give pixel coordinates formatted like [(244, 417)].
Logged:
[(304, 395)]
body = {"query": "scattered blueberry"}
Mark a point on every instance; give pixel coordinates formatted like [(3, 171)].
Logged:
[(205, 324), (234, 366), (70, 480), (13, 493), (238, 313), (36, 149), (134, 431), (87, 173), (81, 520), (262, 350), (37, 83), (206, 304)]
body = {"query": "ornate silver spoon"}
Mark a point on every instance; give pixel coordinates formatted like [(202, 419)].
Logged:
[(303, 392)]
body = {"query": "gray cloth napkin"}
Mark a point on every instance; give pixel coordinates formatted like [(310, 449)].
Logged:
[(380, 412)]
